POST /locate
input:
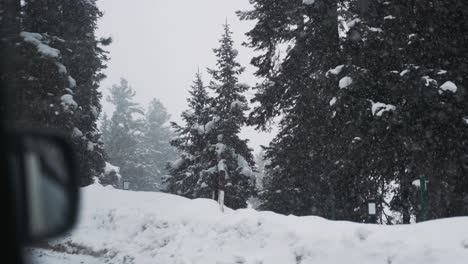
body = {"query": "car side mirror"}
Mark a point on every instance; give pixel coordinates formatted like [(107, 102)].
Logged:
[(47, 186)]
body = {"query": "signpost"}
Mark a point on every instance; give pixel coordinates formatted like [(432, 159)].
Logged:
[(126, 185), (372, 211), (423, 182)]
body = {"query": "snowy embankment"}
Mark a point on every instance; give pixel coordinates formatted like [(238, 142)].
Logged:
[(136, 227)]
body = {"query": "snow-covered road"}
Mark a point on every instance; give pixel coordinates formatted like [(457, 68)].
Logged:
[(137, 227)]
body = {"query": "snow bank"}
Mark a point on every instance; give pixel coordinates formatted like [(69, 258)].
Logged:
[(140, 227)]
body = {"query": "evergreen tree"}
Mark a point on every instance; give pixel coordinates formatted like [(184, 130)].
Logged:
[(86, 59), (186, 177), (212, 156), (123, 133), (432, 98), (365, 105), (385, 114), (402, 69), (137, 142), (302, 154), (156, 143), (71, 24), (231, 163), (44, 90), (10, 28)]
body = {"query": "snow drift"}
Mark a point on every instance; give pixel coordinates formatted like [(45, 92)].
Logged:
[(137, 227)]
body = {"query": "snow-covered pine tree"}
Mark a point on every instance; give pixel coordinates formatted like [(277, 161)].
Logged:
[(122, 134), (44, 94), (431, 98), (86, 59), (399, 66), (111, 175), (72, 24), (261, 178), (185, 177), (232, 163), (374, 43), (10, 14), (363, 102), (299, 44), (156, 144), (44, 90), (362, 111)]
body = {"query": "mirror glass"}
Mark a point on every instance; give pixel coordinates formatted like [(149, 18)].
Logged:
[(48, 186)]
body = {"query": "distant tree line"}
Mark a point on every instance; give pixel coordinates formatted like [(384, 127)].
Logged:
[(137, 140)]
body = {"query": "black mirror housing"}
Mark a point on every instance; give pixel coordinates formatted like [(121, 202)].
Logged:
[(45, 179)]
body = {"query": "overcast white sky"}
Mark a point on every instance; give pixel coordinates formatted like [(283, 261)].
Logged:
[(159, 44)]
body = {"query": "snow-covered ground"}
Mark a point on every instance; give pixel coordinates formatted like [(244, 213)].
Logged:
[(41, 256), (136, 227)]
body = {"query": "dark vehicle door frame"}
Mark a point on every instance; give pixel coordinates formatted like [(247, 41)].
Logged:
[(12, 244)]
